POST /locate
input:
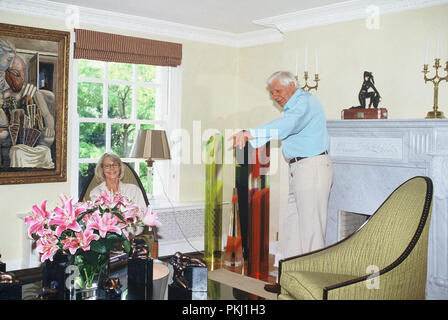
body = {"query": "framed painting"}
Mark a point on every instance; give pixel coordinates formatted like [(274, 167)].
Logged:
[(34, 66)]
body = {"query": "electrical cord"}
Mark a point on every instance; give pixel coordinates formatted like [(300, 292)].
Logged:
[(174, 211)]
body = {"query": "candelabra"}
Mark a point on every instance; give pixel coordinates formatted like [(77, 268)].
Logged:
[(435, 80), (307, 87)]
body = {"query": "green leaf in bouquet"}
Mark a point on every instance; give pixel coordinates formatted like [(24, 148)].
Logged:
[(98, 246), (91, 258), (118, 214), (82, 214), (112, 236), (127, 246), (78, 259)]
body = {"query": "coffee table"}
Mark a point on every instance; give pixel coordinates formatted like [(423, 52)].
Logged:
[(227, 285)]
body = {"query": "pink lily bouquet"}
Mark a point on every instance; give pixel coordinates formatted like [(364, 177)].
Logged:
[(87, 231)]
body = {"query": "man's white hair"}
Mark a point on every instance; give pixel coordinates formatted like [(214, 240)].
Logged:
[(284, 77)]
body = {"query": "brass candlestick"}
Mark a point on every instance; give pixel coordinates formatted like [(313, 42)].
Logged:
[(307, 87), (435, 80)]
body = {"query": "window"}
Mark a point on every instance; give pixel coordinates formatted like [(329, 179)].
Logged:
[(114, 101)]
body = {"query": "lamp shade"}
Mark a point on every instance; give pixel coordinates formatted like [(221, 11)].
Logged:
[(151, 144)]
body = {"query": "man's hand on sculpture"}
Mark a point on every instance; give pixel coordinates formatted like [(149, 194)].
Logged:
[(240, 138)]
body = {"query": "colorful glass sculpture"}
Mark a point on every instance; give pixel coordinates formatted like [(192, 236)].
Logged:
[(213, 202), (258, 240), (252, 183), (233, 253)]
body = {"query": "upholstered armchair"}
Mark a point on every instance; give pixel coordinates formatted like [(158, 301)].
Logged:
[(385, 259), (130, 176)]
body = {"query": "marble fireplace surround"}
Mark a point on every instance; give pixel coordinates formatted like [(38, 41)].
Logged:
[(373, 157)]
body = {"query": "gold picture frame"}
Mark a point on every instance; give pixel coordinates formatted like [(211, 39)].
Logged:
[(34, 67)]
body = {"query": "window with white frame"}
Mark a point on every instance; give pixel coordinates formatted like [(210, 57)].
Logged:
[(114, 101)]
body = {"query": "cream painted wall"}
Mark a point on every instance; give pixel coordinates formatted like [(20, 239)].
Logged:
[(224, 88), (209, 94), (210, 86), (394, 53)]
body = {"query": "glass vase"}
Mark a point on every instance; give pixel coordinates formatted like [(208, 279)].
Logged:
[(89, 270)]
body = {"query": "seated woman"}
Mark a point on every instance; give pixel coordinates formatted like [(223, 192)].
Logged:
[(109, 171)]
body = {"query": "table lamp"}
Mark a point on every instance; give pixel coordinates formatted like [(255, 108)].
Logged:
[(151, 145)]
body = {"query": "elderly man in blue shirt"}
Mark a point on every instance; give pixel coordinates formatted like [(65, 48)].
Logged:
[(303, 132)]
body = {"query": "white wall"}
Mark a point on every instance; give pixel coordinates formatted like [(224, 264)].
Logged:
[(394, 53), (224, 88), (209, 86)]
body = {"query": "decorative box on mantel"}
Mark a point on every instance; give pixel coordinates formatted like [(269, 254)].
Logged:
[(373, 157), (364, 113)]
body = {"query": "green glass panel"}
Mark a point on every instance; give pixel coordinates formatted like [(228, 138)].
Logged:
[(122, 138), (120, 71), (213, 290), (92, 140), (90, 100), (90, 69), (146, 102), (120, 101), (213, 201)]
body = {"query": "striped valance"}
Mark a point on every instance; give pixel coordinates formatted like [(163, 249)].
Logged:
[(109, 47)]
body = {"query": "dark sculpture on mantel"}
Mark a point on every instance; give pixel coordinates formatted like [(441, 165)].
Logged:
[(368, 91)]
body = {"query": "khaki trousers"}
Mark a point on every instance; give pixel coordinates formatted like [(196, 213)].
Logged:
[(304, 225)]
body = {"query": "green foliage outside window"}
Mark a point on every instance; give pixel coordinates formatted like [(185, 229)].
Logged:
[(90, 100), (121, 92)]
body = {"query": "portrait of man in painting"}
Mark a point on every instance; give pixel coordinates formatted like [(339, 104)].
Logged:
[(30, 107)]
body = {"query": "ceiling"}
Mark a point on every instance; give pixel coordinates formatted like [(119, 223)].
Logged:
[(234, 16)]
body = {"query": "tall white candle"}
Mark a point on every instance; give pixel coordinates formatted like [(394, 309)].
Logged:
[(306, 58), (317, 63), (438, 45), (426, 51)]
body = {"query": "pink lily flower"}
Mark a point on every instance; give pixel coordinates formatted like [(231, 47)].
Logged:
[(70, 243), (65, 217), (85, 238), (124, 230), (47, 245), (38, 219), (106, 200), (151, 219), (130, 213), (82, 241), (88, 205), (105, 223)]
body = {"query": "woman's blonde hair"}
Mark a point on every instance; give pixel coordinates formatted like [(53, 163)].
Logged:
[(99, 173)]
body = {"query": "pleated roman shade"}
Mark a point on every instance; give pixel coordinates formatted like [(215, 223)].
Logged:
[(109, 47)]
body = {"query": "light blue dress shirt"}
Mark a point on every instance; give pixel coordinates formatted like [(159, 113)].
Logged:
[(302, 128)]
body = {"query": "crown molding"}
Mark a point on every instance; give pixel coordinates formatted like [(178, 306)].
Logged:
[(341, 12), (119, 21), (276, 26)]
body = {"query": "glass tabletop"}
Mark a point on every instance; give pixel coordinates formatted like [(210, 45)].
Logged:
[(222, 284)]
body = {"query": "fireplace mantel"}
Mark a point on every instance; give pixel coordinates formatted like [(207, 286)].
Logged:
[(373, 157)]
